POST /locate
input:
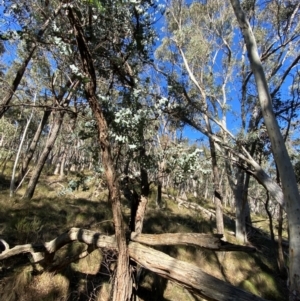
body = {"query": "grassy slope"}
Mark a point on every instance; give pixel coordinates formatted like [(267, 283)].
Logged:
[(50, 213)]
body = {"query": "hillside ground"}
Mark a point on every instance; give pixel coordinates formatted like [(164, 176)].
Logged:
[(55, 208)]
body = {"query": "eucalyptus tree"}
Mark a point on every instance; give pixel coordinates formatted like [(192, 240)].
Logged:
[(26, 26), (110, 39), (63, 100), (277, 49), (20, 13), (12, 182), (32, 146), (198, 43), (221, 61), (37, 78), (280, 153), (7, 141)]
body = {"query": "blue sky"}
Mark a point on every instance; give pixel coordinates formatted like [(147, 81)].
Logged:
[(233, 120), (233, 116)]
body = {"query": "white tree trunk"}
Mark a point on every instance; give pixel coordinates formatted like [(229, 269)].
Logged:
[(287, 175), (12, 182)]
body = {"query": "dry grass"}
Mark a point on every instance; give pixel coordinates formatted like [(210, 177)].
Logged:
[(25, 287), (50, 213)]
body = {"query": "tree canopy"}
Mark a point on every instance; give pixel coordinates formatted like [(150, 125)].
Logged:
[(199, 96)]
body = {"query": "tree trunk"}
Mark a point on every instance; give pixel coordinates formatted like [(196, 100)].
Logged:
[(122, 285), (158, 194), (63, 162), (270, 219), (57, 122), (265, 180), (12, 182), (287, 175), (240, 218), (161, 166), (33, 144), (187, 275), (209, 133), (280, 256), (217, 191), (246, 208)]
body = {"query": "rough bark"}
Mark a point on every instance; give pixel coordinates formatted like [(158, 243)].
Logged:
[(20, 72), (122, 286), (287, 175), (140, 214)]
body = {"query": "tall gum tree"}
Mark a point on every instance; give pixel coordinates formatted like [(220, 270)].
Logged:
[(110, 57), (279, 57), (193, 51), (285, 168), (232, 146), (122, 278)]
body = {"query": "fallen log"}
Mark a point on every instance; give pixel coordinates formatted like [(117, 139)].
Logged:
[(186, 274), (206, 241), (74, 234)]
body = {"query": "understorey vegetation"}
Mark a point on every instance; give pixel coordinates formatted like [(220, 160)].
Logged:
[(149, 150)]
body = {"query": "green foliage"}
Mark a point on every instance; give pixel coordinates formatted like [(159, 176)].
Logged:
[(80, 181), (250, 287), (297, 171), (27, 228), (185, 163), (96, 3), (7, 136)]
